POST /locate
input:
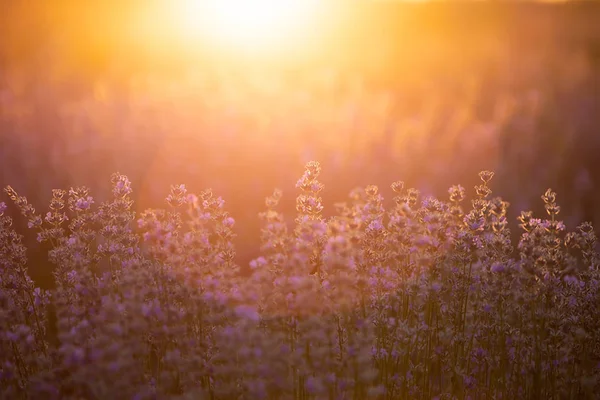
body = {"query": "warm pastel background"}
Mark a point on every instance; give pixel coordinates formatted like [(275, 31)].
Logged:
[(378, 91)]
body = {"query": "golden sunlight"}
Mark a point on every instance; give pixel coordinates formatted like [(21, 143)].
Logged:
[(246, 23)]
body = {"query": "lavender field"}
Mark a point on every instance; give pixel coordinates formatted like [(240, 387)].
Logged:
[(405, 208)]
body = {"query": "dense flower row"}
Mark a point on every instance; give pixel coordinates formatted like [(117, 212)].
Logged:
[(427, 299)]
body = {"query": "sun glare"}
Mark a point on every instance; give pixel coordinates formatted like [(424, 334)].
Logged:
[(246, 23)]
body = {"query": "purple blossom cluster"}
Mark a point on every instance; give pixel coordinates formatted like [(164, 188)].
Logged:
[(426, 299)]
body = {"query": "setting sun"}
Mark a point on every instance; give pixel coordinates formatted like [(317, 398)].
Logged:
[(247, 24)]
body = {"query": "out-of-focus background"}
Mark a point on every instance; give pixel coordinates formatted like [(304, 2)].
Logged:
[(377, 91)]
